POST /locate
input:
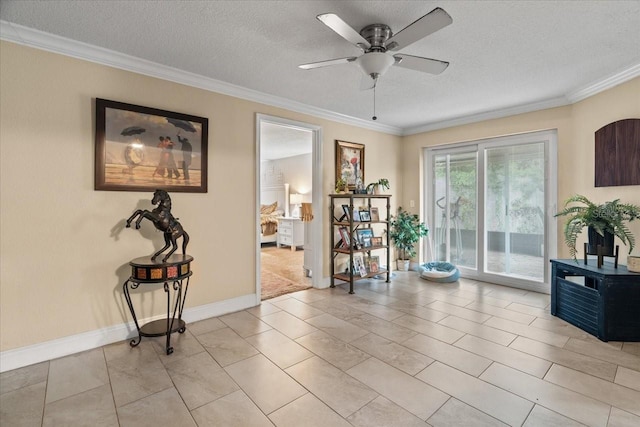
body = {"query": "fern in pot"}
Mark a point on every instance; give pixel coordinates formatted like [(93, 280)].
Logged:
[(405, 230), (604, 221)]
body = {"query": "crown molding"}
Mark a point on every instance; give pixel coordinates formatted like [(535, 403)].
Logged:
[(49, 42), (40, 40), (489, 115), (604, 84)]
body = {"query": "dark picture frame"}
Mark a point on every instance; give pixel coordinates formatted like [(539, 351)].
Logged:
[(131, 156), (349, 163), (365, 216), (345, 209)]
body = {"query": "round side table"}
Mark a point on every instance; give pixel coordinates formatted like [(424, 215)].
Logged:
[(174, 274)]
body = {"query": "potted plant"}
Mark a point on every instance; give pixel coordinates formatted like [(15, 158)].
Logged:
[(341, 186), (378, 186), (405, 230), (603, 221)]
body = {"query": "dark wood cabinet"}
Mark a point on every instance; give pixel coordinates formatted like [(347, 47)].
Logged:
[(604, 302)]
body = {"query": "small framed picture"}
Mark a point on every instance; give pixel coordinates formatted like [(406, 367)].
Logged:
[(365, 216), (356, 215), (376, 241), (358, 265), (373, 264), (364, 237), (375, 214), (344, 235), (345, 209)]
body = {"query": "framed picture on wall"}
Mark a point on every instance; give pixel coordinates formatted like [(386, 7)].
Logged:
[(350, 163), (143, 149)]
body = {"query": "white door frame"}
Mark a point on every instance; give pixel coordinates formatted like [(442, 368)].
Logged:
[(316, 196)]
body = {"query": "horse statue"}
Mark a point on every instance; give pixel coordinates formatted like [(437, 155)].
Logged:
[(163, 221)]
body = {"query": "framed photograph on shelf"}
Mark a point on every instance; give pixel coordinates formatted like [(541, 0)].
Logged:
[(373, 264), (345, 209), (344, 235), (375, 214), (349, 163), (142, 149), (356, 215), (358, 265), (376, 241), (365, 236), (365, 216)]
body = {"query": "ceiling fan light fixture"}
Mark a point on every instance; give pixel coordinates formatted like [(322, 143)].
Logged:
[(375, 64)]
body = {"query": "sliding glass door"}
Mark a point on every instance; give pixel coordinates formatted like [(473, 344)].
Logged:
[(454, 210), (489, 204)]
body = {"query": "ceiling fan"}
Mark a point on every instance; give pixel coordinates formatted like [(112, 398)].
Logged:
[(379, 44)]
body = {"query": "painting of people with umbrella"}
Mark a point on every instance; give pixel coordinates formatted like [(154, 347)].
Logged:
[(141, 148)]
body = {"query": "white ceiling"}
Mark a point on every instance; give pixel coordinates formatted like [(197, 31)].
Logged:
[(506, 56), (279, 141)]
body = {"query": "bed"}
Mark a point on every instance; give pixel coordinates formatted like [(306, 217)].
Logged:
[(272, 207)]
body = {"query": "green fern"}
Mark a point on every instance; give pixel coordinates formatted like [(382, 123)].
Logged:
[(607, 217)]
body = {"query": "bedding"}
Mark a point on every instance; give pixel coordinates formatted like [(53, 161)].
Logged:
[(269, 215)]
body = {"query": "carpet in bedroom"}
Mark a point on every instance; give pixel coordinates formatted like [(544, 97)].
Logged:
[(281, 272)]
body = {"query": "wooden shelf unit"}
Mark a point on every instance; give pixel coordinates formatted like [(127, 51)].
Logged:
[(341, 221)]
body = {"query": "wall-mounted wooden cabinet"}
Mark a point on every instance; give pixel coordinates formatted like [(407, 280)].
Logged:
[(617, 157)]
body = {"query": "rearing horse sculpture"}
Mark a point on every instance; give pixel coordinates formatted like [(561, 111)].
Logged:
[(163, 221)]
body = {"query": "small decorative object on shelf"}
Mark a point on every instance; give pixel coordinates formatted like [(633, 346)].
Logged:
[(378, 186), (341, 186), (164, 221)]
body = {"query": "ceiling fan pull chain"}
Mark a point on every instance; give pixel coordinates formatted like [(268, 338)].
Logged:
[(374, 103)]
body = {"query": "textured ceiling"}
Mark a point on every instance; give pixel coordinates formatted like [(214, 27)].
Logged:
[(503, 54)]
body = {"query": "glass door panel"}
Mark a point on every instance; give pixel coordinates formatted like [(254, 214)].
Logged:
[(514, 210), (455, 208)]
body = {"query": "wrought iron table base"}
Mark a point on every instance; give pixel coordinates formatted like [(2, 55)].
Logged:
[(143, 272)]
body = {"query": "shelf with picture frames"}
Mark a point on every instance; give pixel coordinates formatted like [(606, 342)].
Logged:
[(355, 218)]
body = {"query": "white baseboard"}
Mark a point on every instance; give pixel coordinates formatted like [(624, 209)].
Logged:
[(36, 353)]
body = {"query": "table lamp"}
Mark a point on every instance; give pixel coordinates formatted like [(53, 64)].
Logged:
[(296, 201)]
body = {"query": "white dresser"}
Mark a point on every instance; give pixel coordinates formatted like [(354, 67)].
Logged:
[(290, 232)]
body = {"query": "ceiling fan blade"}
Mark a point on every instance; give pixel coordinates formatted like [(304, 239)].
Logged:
[(327, 63), (428, 24), (334, 22), (418, 63)]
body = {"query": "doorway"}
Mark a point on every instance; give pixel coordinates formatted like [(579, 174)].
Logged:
[(288, 175), (491, 205)]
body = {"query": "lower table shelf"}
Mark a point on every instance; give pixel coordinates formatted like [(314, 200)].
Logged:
[(158, 328)]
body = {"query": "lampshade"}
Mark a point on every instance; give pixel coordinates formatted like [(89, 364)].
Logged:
[(296, 199), (376, 63)]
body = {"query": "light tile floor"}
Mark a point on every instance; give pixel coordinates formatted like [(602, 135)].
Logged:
[(408, 353)]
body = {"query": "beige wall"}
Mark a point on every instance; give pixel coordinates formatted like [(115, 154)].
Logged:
[(575, 124), (64, 251), (63, 248)]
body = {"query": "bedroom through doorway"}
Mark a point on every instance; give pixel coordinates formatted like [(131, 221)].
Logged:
[(286, 184)]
